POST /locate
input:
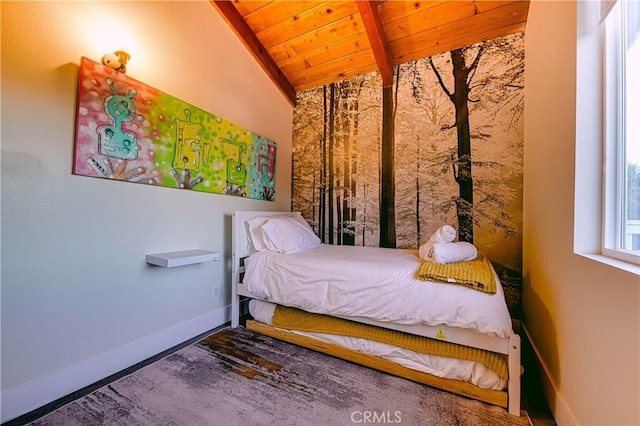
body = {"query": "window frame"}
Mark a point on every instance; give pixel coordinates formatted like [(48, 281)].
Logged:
[(614, 135)]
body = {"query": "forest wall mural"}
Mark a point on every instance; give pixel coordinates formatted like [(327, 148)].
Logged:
[(453, 154)]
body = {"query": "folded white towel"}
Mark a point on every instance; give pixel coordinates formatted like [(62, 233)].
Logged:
[(454, 252), (444, 234)]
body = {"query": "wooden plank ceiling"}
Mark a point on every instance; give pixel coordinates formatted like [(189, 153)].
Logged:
[(306, 44)]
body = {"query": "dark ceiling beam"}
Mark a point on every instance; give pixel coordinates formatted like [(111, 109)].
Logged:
[(233, 18), (379, 45)]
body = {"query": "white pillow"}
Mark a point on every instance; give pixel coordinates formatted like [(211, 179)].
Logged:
[(288, 235), (254, 231)]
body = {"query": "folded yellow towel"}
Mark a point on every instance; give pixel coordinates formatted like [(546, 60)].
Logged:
[(476, 274)]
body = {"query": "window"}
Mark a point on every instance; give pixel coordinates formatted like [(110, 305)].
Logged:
[(621, 228)]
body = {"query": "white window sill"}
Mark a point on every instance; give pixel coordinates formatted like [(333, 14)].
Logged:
[(625, 266)]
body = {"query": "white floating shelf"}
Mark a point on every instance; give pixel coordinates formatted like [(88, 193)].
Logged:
[(180, 258)]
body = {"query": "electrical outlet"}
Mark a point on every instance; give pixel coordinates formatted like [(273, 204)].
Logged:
[(216, 290)]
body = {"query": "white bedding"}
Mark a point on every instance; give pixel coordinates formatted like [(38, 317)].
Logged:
[(449, 368), (375, 283)]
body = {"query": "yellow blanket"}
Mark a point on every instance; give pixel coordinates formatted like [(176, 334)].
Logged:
[(476, 274), (296, 319)]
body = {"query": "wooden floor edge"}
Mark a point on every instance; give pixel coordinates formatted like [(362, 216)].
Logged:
[(499, 398)]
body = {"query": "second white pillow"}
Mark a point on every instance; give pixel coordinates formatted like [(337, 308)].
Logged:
[(288, 235)]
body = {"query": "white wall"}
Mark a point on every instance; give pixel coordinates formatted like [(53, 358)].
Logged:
[(78, 300), (582, 315)]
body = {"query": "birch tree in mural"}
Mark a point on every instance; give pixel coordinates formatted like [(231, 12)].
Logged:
[(438, 141), (464, 64), (308, 157), (461, 164), (333, 189), (423, 198), (388, 237), (349, 118)]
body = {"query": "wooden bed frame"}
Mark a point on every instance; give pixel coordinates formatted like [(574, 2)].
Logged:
[(510, 346)]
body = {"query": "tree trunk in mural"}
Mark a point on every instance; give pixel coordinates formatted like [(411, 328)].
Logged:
[(346, 229), (463, 176), (418, 227), (332, 97), (462, 76), (387, 172), (313, 196), (338, 209), (322, 212), (348, 113)]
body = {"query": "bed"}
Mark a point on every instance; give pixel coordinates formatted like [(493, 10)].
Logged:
[(334, 298)]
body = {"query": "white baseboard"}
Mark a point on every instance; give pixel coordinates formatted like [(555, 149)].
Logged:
[(559, 408), (30, 396)]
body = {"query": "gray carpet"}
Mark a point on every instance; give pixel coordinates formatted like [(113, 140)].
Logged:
[(237, 377)]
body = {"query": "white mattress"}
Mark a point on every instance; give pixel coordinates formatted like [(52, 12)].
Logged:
[(449, 368), (374, 283)]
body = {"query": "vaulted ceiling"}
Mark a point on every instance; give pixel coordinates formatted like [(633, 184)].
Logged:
[(306, 44)]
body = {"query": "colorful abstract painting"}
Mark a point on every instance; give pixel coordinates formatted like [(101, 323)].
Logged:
[(126, 130)]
